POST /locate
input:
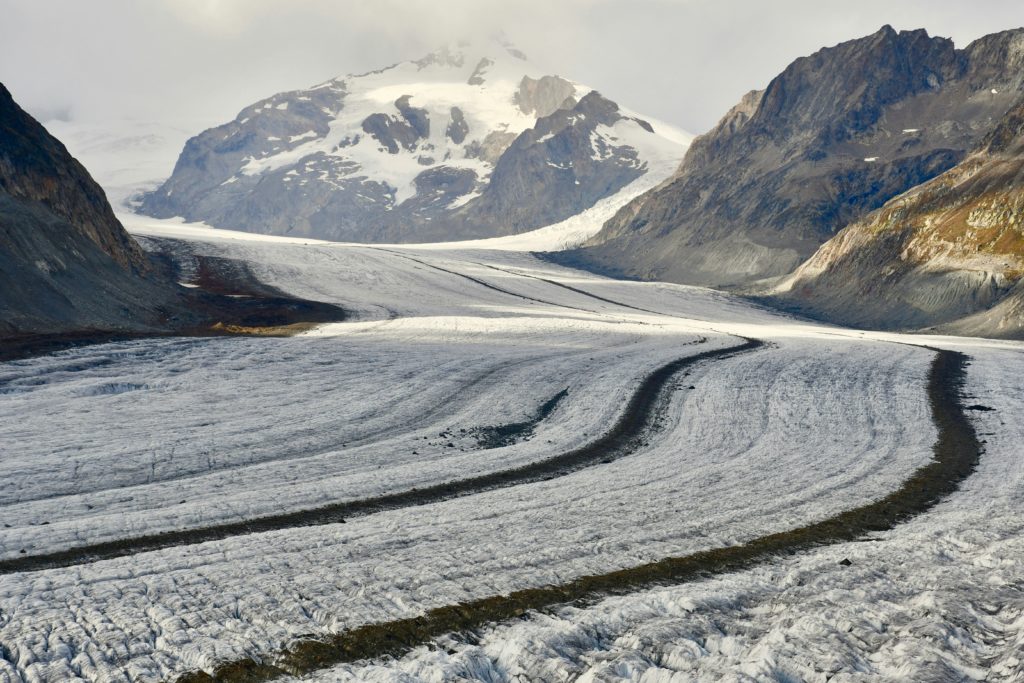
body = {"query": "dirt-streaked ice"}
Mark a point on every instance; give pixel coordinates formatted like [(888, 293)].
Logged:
[(123, 439), (937, 599)]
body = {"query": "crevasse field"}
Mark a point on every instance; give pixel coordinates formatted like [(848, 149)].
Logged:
[(446, 343)]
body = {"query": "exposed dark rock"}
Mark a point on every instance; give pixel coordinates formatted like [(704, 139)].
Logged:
[(391, 132), (499, 436), (550, 172), (71, 275), (228, 176), (416, 117), (457, 127), (645, 125), (438, 187), (491, 147), (36, 167), (477, 77)]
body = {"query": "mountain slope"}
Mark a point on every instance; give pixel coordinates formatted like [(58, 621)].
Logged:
[(468, 142), (947, 254), (831, 138), (66, 264)]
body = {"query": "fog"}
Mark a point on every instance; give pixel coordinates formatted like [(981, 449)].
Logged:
[(683, 61)]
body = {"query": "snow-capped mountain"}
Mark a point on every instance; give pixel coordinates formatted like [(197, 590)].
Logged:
[(470, 141)]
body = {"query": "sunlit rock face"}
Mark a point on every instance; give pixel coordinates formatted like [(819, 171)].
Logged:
[(833, 137), (948, 254)]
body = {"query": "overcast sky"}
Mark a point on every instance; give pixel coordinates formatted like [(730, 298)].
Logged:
[(683, 61)]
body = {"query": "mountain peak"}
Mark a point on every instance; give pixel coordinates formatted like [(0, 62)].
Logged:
[(381, 155), (844, 87)]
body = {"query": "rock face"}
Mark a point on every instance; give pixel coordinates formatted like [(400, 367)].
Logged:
[(562, 165), (545, 96), (468, 142), (947, 255), (66, 264), (833, 137)]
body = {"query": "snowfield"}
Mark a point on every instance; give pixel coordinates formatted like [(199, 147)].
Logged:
[(119, 440)]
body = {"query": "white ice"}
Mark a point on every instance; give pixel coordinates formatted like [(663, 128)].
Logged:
[(105, 441)]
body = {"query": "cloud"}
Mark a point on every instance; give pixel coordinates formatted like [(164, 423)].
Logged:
[(200, 61), (214, 16)]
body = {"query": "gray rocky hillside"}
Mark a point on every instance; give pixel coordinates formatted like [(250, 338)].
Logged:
[(831, 138)]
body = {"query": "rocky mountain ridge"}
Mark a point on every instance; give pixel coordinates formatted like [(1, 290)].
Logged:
[(70, 274), (833, 137), (66, 263)]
